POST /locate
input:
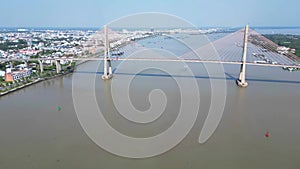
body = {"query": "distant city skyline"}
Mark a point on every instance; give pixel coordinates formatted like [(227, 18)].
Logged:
[(95, 13)]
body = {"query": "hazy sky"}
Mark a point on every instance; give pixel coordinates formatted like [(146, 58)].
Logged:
[(96, 13)]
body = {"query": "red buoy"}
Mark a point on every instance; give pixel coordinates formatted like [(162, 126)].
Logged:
[(267, 134)]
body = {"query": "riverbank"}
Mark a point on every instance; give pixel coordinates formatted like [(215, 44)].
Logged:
[(34, 82)]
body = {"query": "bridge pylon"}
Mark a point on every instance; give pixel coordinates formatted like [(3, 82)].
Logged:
[(241, 82), (107, 72)]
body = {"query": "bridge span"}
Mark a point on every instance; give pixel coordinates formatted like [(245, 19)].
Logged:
[(107, 59), (156, 60)]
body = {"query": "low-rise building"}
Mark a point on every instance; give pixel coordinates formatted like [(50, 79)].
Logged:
[(11, 76), (29, 52), (282, 49), (21, 73), (293, 50)]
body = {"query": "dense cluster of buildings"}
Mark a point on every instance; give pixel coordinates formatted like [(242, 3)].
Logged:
[(64, 44), (47, 43), (35, 43)]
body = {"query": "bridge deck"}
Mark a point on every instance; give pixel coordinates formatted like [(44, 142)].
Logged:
[(159, 60)]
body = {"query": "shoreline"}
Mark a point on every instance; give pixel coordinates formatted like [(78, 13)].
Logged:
[(40, 80), (33, 82)]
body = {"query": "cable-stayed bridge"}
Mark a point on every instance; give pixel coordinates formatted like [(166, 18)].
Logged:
[(243, 47)]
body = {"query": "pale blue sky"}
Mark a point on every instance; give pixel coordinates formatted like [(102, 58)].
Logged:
[(96, 13)]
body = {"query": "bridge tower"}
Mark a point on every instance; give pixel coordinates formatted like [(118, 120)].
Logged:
[(242, 79), (107, 73)]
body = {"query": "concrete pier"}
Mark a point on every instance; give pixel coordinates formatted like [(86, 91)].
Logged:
[(25, 63), (11, 64), (41, 66), (58, 66)]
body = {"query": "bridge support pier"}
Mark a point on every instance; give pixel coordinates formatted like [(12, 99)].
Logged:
[(25, 63), (109, 68), (41, 66), (58, 66), (241, 82), (11, 64), (107, 73)]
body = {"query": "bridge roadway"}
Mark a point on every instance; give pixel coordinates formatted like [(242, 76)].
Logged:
[(157, 60)]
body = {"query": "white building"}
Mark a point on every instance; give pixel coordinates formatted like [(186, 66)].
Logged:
[(282, 49), (21, 73)]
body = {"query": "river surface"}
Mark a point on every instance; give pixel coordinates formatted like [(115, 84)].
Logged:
[(35, 134)]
